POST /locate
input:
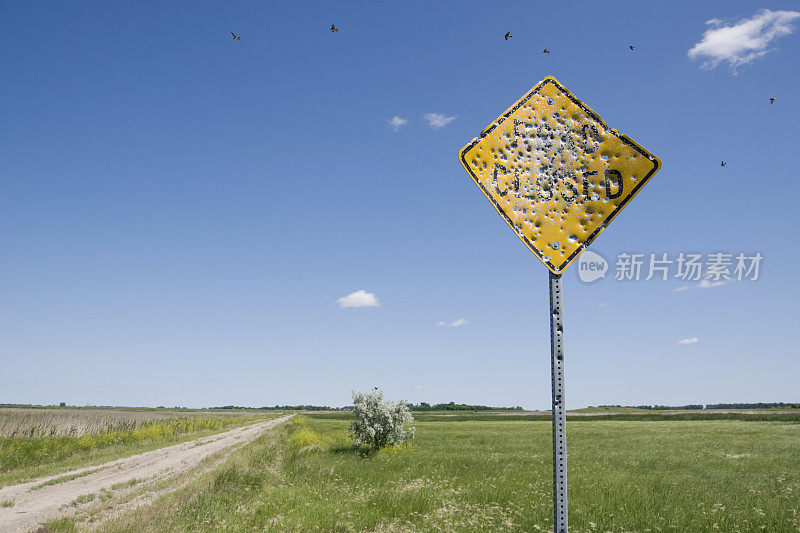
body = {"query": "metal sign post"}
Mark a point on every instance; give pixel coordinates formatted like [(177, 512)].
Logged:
[(558, 175), (559, 409)]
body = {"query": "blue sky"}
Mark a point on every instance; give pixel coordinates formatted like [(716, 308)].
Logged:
[(182, 211)]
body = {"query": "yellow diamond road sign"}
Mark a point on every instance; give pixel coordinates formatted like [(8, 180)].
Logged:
[(556, 172)]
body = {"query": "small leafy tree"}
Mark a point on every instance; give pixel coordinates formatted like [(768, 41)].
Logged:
[(380, 422)]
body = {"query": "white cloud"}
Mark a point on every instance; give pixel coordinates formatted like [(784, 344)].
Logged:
[(453, 324), (359, 299), (743, 42), (693, 340), (435, 120), (396, 122), (706, 284)]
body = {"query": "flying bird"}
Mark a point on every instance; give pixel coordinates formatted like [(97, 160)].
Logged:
[(771, 100), (545, 51), (236, 37), (631, 47), (508, 34), (334, 28), (723, 164)]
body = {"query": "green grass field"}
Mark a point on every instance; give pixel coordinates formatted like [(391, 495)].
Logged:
[(479, 475)]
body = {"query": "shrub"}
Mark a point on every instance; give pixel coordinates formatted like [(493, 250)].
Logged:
[(380, 422)]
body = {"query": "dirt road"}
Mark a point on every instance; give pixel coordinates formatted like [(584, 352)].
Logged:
[(32, 507)]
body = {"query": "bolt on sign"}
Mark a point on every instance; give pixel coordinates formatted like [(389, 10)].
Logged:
[(556, 172)]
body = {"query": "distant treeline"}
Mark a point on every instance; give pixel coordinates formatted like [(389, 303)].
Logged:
[(670, 407), (752, 405), (422, 406), (425, 406), (710, 406), (452, 406), (288, 408)]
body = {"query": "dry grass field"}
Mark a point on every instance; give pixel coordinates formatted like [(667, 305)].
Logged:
[(71, 422)]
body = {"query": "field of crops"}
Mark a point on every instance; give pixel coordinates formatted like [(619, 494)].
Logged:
[(70, 422), (495, 475), (35, 442)]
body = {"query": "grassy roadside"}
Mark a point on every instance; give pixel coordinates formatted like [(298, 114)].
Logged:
[(220, 490), (495, 476), (23, 459)]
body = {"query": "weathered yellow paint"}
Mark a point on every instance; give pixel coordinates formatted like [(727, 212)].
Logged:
[(545, 163)]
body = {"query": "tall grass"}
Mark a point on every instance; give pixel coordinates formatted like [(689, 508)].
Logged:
[(43, 422), (26, 451)]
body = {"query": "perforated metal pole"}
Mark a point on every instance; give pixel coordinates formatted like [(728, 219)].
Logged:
[(559, 408)]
